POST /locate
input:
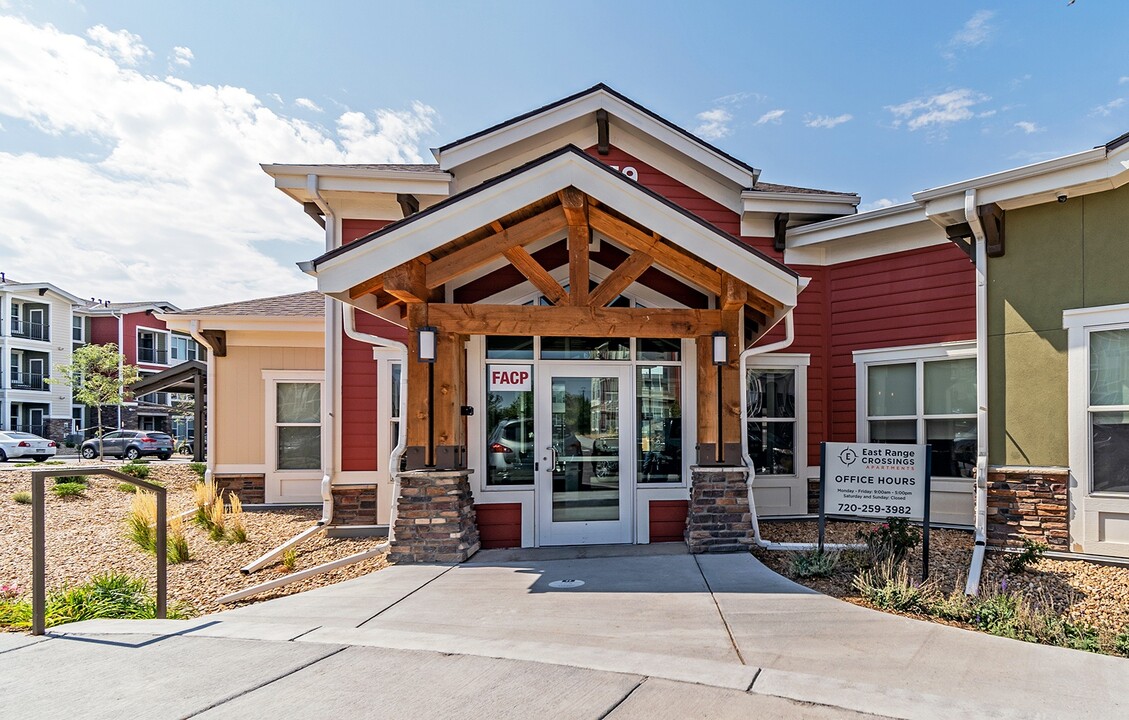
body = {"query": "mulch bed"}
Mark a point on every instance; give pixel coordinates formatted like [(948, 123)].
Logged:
[(86, 536), (1083, 591)]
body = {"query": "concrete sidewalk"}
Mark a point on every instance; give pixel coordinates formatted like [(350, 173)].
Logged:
[(652, 632)]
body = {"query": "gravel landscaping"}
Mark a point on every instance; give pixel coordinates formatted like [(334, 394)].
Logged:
[(86, 536), (1081, 591)]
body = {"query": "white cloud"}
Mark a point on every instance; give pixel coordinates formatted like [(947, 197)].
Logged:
[(878, 204), (738, 98), (177, 206), (1108, 108), (825, 121), (182, 56), (1124, 79), (937, 111), (123, 45), (976, 31), (772, 116), (1028, 127), (715, 124), (308, 104)]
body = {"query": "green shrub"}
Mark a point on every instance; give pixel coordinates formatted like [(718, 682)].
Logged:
[(1032, 551), (136, 469), (199, 468), (1121, 641), (890, 540), (112, 595), (64, 479), (954, 606), (23, 497), (69, 489), (127, 487), (176, 543), (812, 563), (58, 462), (290, 559), (888, 586)]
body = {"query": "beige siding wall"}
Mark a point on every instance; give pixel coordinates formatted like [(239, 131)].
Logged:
[(240, 406)]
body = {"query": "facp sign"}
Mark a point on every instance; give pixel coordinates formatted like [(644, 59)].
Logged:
[(510, 378), (876, 480)]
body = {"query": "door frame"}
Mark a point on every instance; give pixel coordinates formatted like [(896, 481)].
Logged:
[(621, 531)]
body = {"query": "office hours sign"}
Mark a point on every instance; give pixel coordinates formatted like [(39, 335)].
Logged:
[(876, 480)]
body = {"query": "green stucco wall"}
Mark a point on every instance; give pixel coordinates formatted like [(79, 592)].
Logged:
[(1058, 256)]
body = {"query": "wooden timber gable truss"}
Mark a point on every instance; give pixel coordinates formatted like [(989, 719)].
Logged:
[(436, 426)]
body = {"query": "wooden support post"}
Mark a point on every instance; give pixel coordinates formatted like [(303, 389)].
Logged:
[(575, 204), (417, 407), (199, 417), (732, 387), (707, 402), (450, 361)]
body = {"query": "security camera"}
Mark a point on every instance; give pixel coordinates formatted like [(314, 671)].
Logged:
[(1062, 197)]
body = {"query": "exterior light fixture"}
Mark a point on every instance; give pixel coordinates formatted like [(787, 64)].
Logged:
[(426, 347), (720, 347)]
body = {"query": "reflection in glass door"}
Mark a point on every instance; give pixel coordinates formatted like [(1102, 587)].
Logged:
[(585, 479)]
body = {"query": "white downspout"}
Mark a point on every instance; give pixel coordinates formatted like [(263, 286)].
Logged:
[(209, 404), (329, 398), (402, 435), (972, 587), (789, 336)]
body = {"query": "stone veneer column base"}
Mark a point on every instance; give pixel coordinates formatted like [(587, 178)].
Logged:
[(354, 505), (250, 488), (1029, 503), (435, 520), (719, 518)]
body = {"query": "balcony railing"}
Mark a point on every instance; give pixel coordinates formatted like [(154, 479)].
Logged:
[(152, 357), (30, 330), (29, 381)]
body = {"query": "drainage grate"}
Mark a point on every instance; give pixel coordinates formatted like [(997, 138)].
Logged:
[(566, 584)]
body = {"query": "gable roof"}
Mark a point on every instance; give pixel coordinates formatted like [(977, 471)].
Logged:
[(304, 304), (380, 251), (585, 102)]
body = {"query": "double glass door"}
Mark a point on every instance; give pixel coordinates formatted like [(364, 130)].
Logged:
[(584, 469)]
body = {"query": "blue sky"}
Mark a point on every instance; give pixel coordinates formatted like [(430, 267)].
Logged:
[(132, 130)]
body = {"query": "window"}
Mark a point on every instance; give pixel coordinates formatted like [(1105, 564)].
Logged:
[(152, 347), (182, 349), (658, 406), (923, 395), (77, 328), (298, 425), (771, 425), (1108, 411), (510, 443)]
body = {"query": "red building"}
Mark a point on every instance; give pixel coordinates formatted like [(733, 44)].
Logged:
[(575, 267)]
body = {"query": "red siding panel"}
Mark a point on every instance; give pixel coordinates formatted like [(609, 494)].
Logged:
[(668, 520), (360, 395), (499, 525), (910, 298), (355, 229), (103, 330)]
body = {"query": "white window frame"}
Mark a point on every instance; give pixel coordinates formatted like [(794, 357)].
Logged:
[(1080, 324), (81, 328), (797, 363), (271, 379), (156, 348), (385, 439), (919, 355)]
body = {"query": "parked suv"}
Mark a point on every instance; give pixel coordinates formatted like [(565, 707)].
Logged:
[(130, 444)]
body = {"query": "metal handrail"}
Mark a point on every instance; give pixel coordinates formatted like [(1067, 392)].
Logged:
[(39, 539)]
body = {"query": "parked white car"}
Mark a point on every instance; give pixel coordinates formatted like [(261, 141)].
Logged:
[(23, 445)]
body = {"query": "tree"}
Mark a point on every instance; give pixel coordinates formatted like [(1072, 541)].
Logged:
[(98, 376)]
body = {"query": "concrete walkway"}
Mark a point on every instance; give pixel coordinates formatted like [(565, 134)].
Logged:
[(651, 633)]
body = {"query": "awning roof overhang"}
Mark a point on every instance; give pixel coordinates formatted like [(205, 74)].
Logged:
[(343, 268), (179, 378)]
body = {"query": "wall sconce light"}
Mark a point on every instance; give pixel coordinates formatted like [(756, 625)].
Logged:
[(720, 347), (426, 347)]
